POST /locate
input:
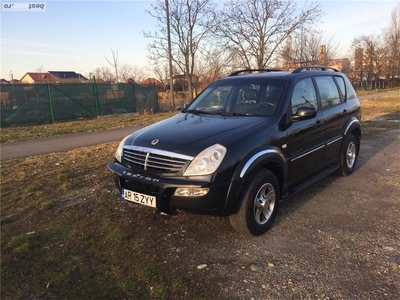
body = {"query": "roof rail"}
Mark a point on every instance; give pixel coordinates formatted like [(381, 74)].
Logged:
[(252, 71), (312, 68)]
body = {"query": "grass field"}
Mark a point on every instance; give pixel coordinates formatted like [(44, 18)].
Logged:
[(22, 133), (65, 234), (380, 114)]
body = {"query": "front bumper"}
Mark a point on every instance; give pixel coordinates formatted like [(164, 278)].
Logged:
[(163, 189)]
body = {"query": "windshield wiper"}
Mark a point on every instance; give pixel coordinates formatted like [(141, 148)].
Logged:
[(231, 113), (196, 111)]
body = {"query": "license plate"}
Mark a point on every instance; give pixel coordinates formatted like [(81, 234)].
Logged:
[(139, 198)]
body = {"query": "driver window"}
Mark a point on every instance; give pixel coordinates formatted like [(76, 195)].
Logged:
[(304, 95)]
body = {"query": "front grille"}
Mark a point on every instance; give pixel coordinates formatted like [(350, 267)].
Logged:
[(154, 160)]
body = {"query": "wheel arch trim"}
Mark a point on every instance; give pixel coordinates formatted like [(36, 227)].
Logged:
[(353, 123), (256, 156)]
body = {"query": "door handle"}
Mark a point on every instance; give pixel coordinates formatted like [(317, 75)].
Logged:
[(319, 123)]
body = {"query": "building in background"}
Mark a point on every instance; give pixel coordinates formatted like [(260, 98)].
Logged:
[(341, 64), (54, 77)]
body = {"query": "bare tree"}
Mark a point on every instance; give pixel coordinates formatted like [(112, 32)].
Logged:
[(105, 74), (135, 73), (125, 72), (309, 47), (114, 63), (255, 29), (139, 73), (161, 73), (190, 23), (378, 56), (392, 41), (373, 56), (40, 69), (215, 63)]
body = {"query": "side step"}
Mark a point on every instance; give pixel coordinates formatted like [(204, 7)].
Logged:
[(313, 179)]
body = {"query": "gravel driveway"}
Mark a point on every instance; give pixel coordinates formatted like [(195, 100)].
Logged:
[(338, 239)]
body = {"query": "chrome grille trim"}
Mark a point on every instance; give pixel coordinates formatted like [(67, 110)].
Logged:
[(154, 159)]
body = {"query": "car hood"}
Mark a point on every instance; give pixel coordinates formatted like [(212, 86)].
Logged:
[(188, 133)]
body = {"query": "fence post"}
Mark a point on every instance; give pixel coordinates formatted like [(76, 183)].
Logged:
[(50, 104), (134, 97), (95, 96)]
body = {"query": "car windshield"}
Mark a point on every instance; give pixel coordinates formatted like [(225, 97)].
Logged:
[(244, 96)]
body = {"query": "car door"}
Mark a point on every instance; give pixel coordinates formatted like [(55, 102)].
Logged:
[(334, 110), (305, 139)]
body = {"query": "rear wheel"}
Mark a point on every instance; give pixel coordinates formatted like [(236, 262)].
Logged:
[(259, 204), (349, 156)]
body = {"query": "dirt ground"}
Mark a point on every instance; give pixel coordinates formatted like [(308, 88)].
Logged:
[(337, 240)]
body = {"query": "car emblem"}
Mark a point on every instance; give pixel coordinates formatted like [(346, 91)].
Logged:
[(153, 142)]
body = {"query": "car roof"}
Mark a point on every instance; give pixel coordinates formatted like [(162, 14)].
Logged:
[(275, 73)]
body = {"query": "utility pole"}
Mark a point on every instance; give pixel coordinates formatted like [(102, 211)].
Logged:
[(12, 82), (171, 81)]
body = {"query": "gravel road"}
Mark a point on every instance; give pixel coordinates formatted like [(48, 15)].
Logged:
[(339, 239)]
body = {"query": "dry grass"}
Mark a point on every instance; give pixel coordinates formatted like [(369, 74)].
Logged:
[(379, 115), (66, 235), (22, 133), (386, 107)]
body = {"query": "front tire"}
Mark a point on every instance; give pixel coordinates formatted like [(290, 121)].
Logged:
[(349, 156), (259, 204)]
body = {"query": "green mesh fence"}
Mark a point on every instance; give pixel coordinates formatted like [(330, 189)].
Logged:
[(49, 103)]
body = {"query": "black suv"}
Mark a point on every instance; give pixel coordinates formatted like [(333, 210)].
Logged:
[(245, 142)]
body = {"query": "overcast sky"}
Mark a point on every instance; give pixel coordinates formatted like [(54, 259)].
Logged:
[(76, 35)]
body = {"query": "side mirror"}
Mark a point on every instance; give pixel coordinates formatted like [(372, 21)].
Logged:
[(305, 113), (186, 105)]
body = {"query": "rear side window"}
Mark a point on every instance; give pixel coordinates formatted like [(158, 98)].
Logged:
[(351, 94), (341, 85), (304, 95), (328, 91)]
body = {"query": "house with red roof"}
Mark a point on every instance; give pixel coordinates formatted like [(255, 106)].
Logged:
[(159, 85), (151, 81), (53, 77)]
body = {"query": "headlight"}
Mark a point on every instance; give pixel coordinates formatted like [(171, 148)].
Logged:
[(207, 162), (118, 153)]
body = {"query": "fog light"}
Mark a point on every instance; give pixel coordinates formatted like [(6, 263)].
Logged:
[(191, 192)]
